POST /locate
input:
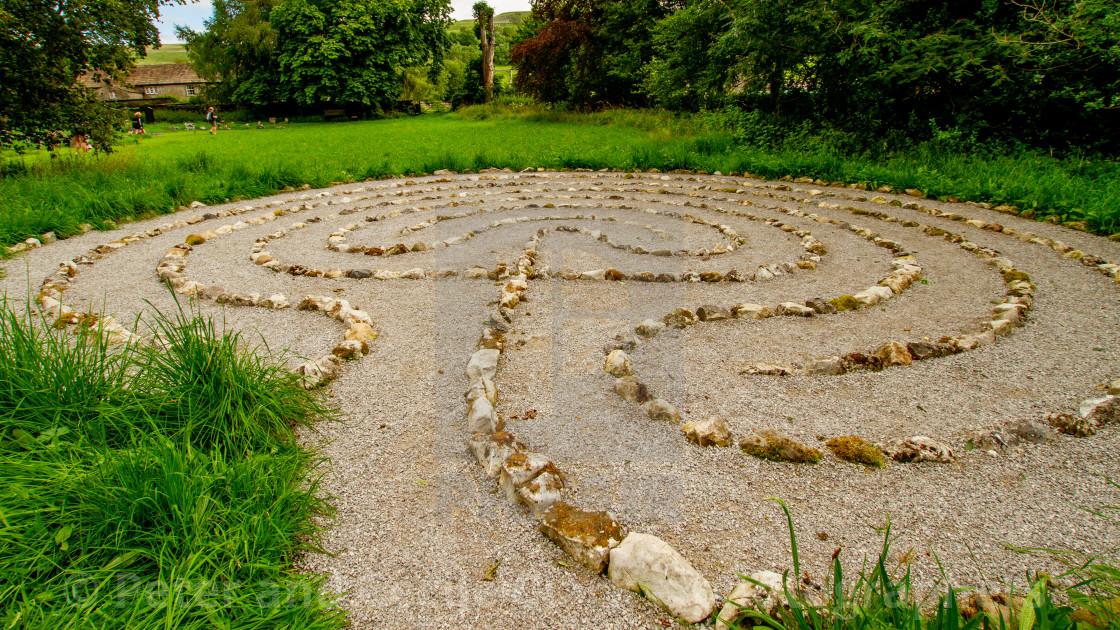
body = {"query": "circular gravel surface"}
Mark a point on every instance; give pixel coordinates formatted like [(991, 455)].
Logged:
[(419, 526)]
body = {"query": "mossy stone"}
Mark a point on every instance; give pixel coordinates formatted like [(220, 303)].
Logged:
[(851, 448), (195, 239), (778, 447), (845, 303), (1012, 275)]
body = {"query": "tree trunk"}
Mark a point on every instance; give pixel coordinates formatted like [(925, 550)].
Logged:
[(486, 36)]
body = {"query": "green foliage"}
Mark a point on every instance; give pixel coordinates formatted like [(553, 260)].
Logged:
[(320, 53), (119, 515), (350, 52), (238, 53), (588, 53), (44, 48), (1043, 73)]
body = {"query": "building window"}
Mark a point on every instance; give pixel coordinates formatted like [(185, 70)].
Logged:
[(190, 90), (151, 90)]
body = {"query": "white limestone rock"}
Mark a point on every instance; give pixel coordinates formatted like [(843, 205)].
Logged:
[(646, 564), (483, 363), (481, 417)]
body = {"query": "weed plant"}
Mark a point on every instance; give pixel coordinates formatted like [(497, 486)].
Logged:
[(154, 485), (152, 175), (879, 598)]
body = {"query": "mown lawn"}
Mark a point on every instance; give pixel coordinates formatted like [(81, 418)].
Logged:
[(160, 173)]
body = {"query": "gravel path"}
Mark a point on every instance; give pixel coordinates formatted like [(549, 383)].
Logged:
[(419, 525)]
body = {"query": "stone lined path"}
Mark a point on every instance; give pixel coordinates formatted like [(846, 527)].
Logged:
[(964, 341)]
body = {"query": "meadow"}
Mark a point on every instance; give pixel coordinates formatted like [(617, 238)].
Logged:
[(159, 173)]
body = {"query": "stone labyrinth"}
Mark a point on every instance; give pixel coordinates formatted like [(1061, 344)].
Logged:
[(558, 386)]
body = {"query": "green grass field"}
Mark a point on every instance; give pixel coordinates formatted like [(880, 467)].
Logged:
[(159, 173)]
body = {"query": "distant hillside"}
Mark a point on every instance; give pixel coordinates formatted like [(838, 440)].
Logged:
[(509, 17), (168, 53)]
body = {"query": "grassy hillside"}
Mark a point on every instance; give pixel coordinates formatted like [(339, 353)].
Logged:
[(168, 53), (509, 17)]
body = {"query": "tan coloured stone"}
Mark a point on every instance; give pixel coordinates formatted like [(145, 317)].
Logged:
[(618, 364), (921, 449), (542, 491), (520, 468), (767, 599), (660, 410), (493, 449), (481, 417), (751, 311), (893, 353), (587, 537), (483, 363), (649, 328), (709, 432), (768, 369), (361, 332), (632, 390)]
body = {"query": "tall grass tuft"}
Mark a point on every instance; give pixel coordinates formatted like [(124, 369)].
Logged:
[(154, 486), (878, 598)]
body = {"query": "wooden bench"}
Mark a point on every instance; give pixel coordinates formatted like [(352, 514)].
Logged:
[(333, 113)]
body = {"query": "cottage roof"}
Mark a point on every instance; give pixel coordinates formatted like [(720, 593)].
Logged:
[(159, 74), (164, 74)]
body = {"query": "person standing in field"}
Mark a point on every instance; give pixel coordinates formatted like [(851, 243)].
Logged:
[(212, 119), (78, 138)]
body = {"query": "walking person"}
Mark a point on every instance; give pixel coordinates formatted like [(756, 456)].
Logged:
[(137, 124), (212, 119)]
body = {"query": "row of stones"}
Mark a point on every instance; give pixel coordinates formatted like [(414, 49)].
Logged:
[(765, 443), (337, 241), (50, 297), (774, 445), (171, 269), (359, 332), (814, 248), (638, 562), (1101, 265)]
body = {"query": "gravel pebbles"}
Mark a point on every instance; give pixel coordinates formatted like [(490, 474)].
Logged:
[(419, 526)]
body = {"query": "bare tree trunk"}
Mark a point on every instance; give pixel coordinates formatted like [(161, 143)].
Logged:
[(486, 36)]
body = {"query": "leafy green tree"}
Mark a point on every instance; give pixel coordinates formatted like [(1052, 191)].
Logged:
[(45, 45), (237, 53), (352, 52)]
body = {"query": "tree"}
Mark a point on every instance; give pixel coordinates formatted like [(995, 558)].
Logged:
[(588, 52), (353, 52), (46, 45), (484, 15), (237, 53)]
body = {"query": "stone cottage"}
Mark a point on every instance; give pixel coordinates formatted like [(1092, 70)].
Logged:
[(153, 83)]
